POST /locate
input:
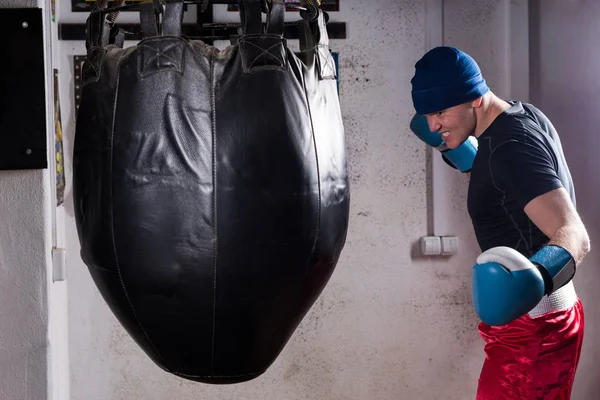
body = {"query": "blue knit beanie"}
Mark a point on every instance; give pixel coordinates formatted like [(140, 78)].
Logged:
[(445, 77)]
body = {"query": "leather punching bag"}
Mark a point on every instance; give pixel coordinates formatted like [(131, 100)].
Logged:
[(210, 186)]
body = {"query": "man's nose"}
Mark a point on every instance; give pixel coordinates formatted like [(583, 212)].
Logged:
[(434, 125)]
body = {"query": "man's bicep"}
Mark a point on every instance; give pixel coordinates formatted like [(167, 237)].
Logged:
[(551, 211)]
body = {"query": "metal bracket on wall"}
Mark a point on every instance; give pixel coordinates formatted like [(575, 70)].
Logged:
[(206, 29), (22, 90)]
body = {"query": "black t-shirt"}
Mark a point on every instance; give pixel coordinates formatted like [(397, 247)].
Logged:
[(519, 158)]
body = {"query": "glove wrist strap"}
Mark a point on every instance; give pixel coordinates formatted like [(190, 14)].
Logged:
[(556, 265)]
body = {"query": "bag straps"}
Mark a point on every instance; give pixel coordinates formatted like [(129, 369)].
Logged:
[(276, 17), (172, 18), (102, 31), (313, 32), (314, 45), (148, 20), (117, 36), (251, 17), (97, 30), (100, 27)]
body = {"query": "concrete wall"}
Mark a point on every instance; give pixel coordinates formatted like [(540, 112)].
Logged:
[(391, 324), (23, 297), (29, 300), (18, 3), (565, 64)]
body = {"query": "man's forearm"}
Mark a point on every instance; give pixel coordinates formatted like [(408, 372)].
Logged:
[(574, 238)]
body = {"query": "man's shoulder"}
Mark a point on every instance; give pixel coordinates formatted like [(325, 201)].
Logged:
[(530, 119), (522, 122)]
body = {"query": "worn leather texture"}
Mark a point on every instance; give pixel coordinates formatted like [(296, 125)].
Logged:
[(211, 188)]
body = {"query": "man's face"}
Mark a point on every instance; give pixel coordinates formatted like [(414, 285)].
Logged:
[(455, 124)]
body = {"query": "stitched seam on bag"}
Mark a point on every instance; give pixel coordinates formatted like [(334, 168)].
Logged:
[(264, 52), (148, 46), (214, 179), (112, 217), (323, 53), (92, 64), (312, 130), (245, 42), (162, 53)]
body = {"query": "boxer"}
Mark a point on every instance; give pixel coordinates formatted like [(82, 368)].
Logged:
[(521, 201)]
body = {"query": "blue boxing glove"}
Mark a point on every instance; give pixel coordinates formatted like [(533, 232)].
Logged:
[(460, 158), (507, 285)]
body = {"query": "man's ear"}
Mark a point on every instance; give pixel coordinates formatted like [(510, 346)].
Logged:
[(477, 102)]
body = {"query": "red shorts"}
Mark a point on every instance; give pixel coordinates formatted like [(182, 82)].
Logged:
[(532, 358)]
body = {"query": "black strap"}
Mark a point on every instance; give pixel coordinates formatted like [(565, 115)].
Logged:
[(172, 19), (100, 27), (313, 31), (320, 27), (117, 36), (276, 17), (102, 4), (251, 16), (148, 20), (97, 31), (204, 5), (306, 36), (119, 39), (314, 46)]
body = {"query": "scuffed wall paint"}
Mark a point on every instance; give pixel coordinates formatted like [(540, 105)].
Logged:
[(23, 304)]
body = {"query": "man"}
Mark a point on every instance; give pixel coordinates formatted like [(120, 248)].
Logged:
[(521, 202)]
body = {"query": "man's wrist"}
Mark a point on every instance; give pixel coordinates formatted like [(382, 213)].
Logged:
[(556, 264)]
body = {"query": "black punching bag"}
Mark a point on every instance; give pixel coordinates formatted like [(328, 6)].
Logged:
[(210, 187)]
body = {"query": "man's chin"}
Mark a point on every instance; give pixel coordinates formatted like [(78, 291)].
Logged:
[(453, 143)]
